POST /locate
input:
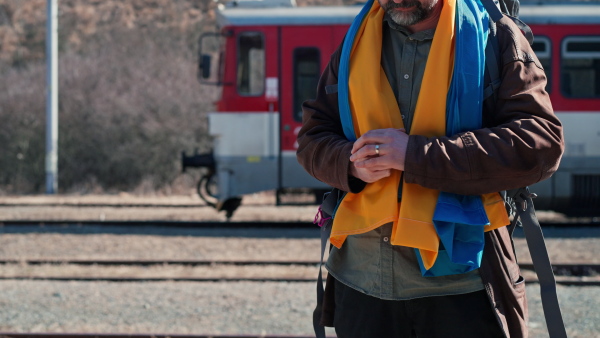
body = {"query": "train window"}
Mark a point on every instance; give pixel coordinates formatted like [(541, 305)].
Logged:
[(307, 67), (541, 47), (580, 69), (251, 64)]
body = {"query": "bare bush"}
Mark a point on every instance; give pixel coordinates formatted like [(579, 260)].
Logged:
[(128, 107), (22, 121)]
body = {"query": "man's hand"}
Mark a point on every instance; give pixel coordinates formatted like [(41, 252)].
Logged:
[(368, 175), (371, 163)]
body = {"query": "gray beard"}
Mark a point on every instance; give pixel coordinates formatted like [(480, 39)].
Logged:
[(407, 18)]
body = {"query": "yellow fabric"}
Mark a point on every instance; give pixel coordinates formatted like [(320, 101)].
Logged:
[(374, 106)]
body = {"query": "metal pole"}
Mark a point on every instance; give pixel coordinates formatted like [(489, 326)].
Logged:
[(52, 97)]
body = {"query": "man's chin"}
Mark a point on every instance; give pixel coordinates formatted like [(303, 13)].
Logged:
[(402, 18)]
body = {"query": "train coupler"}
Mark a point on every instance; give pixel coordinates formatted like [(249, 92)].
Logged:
[(206, 160)]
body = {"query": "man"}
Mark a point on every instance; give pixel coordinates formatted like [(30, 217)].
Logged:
[(382, 279)]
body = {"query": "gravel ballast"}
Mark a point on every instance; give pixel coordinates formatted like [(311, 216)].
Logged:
[(206, 307), (213, 308), (210, 308)]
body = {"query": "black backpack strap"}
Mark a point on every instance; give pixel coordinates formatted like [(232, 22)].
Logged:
[(491, 6), (319, 329), (523, 27), (541, 262), (493, 9), (492, 65), (325, 213)]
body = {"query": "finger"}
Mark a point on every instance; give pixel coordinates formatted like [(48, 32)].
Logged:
[(358, 144), (373, 163), (366, 152), (370, 137), (371, 176)]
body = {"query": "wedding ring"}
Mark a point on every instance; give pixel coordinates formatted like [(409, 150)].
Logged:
[(377, 149)]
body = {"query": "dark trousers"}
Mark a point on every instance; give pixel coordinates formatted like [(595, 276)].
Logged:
[(465, 316)]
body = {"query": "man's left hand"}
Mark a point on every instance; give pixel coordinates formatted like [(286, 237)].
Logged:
[(380, 149)]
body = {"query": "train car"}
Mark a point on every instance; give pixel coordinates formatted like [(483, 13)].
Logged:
[(269, 59)]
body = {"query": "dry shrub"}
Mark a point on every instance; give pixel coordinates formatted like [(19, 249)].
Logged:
[(129, 104), (129, 101), (23, 30), (22, 123)]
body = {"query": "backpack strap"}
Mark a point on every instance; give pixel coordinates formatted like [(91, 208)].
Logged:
[(325, 213), (522, 197), (492, 66), (493, 9), (541, 262), (318, 328)]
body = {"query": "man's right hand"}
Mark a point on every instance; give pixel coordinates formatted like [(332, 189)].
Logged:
[(368, 175)]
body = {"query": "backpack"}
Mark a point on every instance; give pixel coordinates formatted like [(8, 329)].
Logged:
[(519, 203), (495, 9)]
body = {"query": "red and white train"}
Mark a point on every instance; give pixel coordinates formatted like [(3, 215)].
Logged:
[(268, 61)]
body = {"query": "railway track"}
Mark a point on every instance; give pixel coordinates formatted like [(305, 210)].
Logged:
[(160, 223), (105, 205), (132, 270), (219, 224), (116, 335), (566, 274)]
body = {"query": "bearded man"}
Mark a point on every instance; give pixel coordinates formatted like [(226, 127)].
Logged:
[(399, 124)]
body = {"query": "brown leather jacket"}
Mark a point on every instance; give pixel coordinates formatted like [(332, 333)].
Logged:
[(521, 144)]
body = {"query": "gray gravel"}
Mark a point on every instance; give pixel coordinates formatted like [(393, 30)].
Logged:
[(164, 307), (212, 308), (217, 308), (579, 307)]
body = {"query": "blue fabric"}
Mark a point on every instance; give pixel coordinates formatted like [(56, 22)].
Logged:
[(443, 266), (459, 219), (465, 96), (344, 73)]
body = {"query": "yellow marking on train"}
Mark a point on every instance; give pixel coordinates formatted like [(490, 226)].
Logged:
[(253, 159)]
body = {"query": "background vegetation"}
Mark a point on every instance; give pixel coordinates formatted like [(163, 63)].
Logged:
[(129, 99)]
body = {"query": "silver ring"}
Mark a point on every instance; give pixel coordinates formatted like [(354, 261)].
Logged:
[(377, 149)]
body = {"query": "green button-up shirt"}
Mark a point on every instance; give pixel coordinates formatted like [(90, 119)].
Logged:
[(368, 262)]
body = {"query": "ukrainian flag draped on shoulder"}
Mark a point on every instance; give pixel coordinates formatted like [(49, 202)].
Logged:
[(450, 101)]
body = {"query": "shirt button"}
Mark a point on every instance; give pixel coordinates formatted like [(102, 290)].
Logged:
[(403, 117), (385, 239), (406, 76)]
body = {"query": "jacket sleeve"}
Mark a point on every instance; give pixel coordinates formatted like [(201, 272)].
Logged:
[(522, 143), (323, 150)]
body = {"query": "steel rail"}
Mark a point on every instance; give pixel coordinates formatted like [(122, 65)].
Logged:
[(120, 335), (149, 262), (124, 279), (569, 269), (222, 224), (562, 269), (568, 279), (105, 205), (160, 279), (162, 223)]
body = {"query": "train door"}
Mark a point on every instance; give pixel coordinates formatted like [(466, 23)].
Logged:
[(246, 126), (305, 51)]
